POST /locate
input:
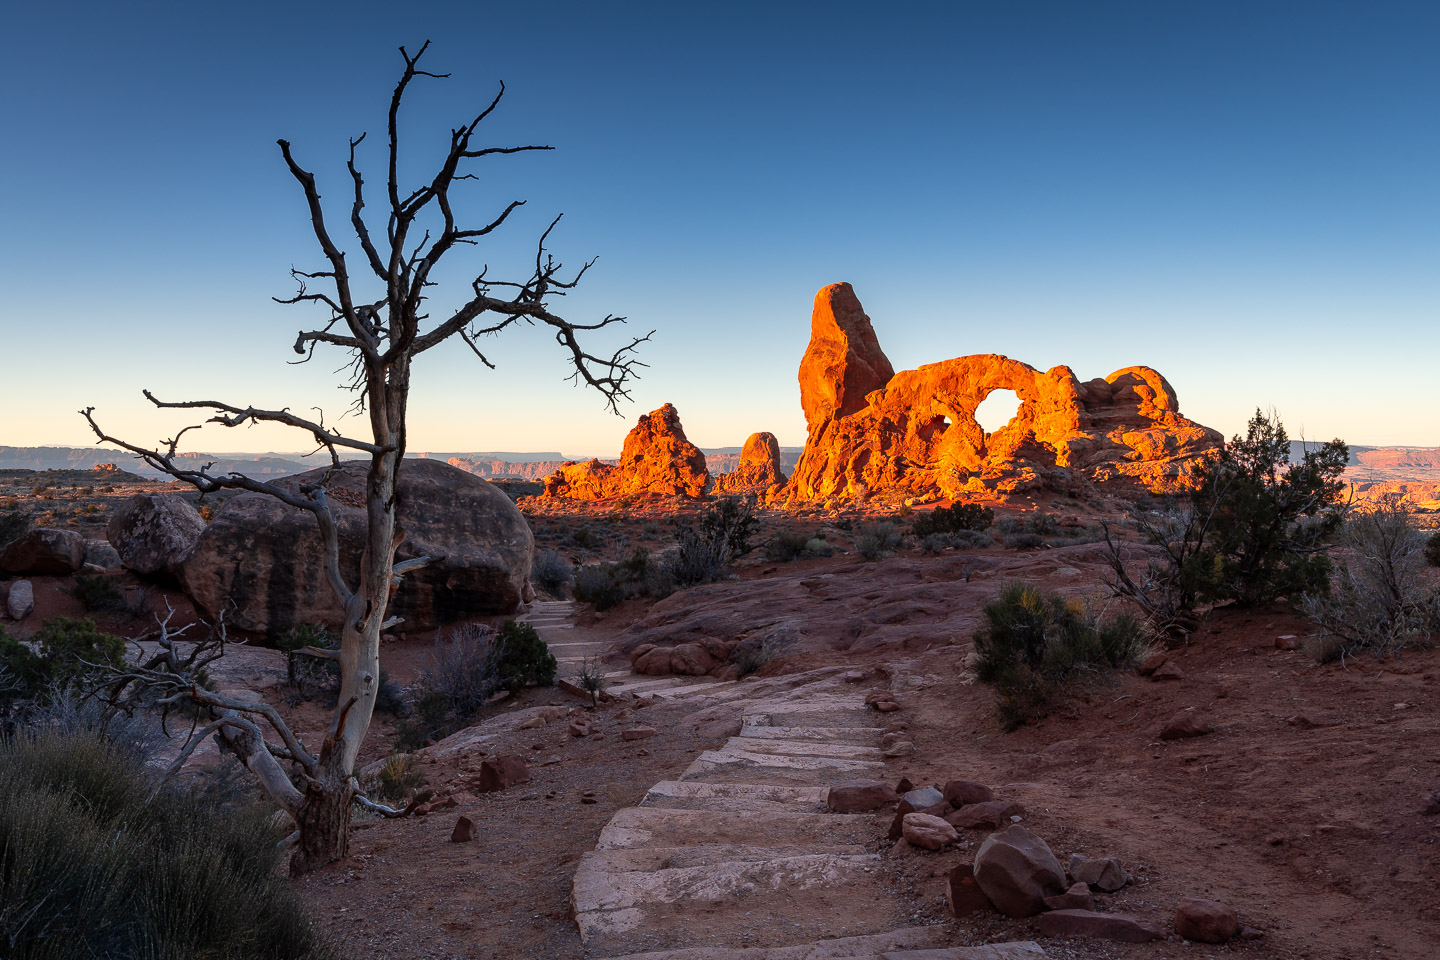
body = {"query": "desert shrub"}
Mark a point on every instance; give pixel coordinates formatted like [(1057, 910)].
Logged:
[(723, 534), (1042, 523), (584, 538), (754, 652), (1432, 549), (462, 671), (306, 671), (75, 652), (785, 546), (1034, 645), (1381, 598), (591, 679), (1024, 541), (650, 528), (700, 559), (1009, 524), (818, 546), (97, 593), (523, 657), (551, 572), (399, 778), (388, 696), (602, 585), (877, 540), (935, 543), (14, 524), (99, 860), (971, 538)]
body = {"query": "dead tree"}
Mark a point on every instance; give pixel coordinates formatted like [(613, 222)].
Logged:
[(381, 321)]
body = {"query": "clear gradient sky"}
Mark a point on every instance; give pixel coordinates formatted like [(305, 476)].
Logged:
[(1244, 195)]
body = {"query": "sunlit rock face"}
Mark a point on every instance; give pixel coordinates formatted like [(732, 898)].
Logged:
[(758, 472), (913, 434), (656, 460)]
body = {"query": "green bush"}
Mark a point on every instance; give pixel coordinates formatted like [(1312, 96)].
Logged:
[(14, 524), (1432, 549), (97, 593), (74, 651), (584, 538), (1034, 645), (602, 585), (523, 657), (723, 534), (96, 862), (877, 540), (304, 670), (953, 519), (785, 546)]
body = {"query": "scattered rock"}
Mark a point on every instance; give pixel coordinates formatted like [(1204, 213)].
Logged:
[(1152, 663), (904, 786), (501, 772), (580, 728), (100, 553), (1103, 874), (1430, 806), (638, 733), (886, 706), (919, 798), (1186, 724), (1205, 921), (963, 893), (464, 831), (928, 832), (21, 599), (1099, 926), (854, 676), (44, 551), (1017, 871), (988, 815), (898, 749), (1078, 897), (1287, 642), (152, 532), (533, 723), (720, 729), (961, 792), (859, 796), (1169, 670)]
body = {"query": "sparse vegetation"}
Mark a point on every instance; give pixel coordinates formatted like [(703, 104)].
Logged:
[(1034, 646), (876, 540), (591, 679), (523, 658), (463, 671), (97, 593), (952, 519), (399, 779), (753, 653), (14, 524), (724, 534), (98, 860), (1432, 549), (551, 572)]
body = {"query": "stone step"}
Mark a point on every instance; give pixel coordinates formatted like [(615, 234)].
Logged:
[(731, 904), (638, 860), (648, 684), (858, 735), (801, 748), (908, 943), (735, 766), (717, 688), (764, 798), (635, 827)]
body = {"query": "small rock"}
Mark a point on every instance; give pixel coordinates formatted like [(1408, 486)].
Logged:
[(1430, 806), (533, 723), (854, 676), (985, 816), (580, 728), (21, 600), (1017, 871), (860, 796), (638, 733), (1152, 663), (1103, 874), (1099, 926), (1078, 897), (101, 554), (1250, 933), (961, 792), (1186, 724), (1205, 921), (919, 798), (931, 833), (887, 706), (464, 831), (1287, 642), (1169, 670), (502, 772), (963, 893), (904, 786), (901, 748)]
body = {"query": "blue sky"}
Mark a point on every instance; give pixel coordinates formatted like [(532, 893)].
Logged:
[(1245, 196)]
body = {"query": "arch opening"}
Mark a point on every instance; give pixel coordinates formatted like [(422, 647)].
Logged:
[(997, 409)]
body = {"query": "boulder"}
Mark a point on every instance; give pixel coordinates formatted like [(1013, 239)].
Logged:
[(501, 772), (99, 553), (1186, 724), (860, 796), (873, 433), (262, 561), (21, 599), (758, 471), (154, 531), (44, 551), (961, 792), (1099, 926), (464, 831), (1017, 871), (985, 816), (930, 833), (1205, 921), (963, 894), (656, 459), (1103, 874)]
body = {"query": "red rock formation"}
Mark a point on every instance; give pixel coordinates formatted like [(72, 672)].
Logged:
[(759, 469), (656, 459), (913, 434)]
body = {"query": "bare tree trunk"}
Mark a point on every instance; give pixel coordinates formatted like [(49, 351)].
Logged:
[(323, 821)]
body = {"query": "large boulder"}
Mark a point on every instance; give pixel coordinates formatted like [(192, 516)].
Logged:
[(153, 531), (913, 434), (44, 551), (1017, 871), (758, 471), (262, 562), (656, 460)]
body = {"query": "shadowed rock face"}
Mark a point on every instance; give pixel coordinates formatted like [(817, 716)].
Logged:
[(758, 470), (913, 434), (265, 558), (656, 459)]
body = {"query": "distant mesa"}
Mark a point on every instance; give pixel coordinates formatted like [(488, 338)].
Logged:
[(656, 460)]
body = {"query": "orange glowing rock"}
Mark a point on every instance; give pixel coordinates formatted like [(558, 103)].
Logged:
[(656, 459), (759, 470)]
